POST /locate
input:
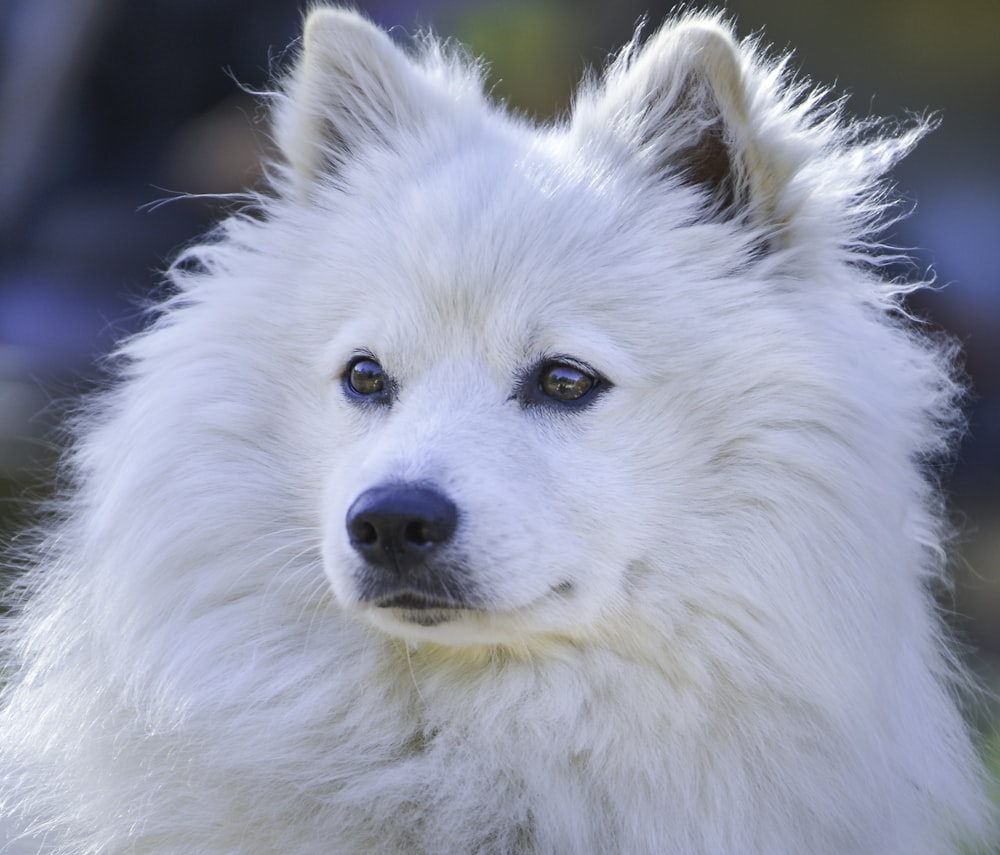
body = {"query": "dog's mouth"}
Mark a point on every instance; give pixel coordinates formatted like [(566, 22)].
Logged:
[(421, 608)]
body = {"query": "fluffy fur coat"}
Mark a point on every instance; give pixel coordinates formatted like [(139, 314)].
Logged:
[(641, 363)]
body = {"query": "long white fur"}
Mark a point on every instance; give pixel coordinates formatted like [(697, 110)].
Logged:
[(747, 657)]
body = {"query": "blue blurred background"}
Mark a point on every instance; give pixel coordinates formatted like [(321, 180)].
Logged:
[(107, 106)]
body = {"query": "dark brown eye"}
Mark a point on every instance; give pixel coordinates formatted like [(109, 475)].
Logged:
[(563, 382), (365, 377)]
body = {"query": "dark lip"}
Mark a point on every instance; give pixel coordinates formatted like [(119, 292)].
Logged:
[(417, 601), (427, 617)]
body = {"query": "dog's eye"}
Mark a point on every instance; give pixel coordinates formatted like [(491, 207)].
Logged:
[(563, 382), (364, 377)]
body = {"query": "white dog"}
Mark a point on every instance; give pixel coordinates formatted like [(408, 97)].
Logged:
[(496, 488)]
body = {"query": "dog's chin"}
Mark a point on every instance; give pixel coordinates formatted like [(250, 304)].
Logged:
[(424, 617), (450, 626), (454, 619), (416, 615), (421, 619), (411, 608), (417, 607)]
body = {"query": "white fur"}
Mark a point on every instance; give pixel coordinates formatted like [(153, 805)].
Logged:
[(709, 623)]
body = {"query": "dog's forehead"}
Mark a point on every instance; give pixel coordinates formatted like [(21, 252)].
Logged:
[(497, 246), (500, 225), (482, 334), (499, 205)]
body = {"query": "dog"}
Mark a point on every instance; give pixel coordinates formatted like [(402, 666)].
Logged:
[(489, 486)]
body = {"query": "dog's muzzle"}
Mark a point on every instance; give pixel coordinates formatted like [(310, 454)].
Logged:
[(402, 532)]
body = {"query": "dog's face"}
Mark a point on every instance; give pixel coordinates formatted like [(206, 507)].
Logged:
[(482, 477), (509, 441), (551, 359), (501, 348)]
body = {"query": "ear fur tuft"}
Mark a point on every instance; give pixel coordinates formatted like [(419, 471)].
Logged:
[(683, 101), (351, 88)]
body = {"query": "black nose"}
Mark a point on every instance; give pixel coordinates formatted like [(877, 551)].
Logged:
[(398, 526)]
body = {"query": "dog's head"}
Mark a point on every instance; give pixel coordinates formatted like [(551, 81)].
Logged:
[(567, 371)]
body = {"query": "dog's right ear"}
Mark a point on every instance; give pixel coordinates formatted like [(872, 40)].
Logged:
[(352, 87), (686, 103)]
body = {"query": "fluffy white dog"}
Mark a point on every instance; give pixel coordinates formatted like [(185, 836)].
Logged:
[(500, 488)]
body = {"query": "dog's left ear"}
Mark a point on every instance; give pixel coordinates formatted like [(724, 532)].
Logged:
[(352, 88), (681, 103)]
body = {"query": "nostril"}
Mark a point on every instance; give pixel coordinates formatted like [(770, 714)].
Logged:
[(364, 533), (417, 532)]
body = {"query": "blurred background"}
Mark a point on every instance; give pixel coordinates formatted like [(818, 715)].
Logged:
[(107, 106)]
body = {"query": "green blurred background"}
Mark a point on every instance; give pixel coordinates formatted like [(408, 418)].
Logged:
[(107, 105)]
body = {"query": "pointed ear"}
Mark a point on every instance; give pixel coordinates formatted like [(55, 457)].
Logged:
[(681, 103), (351, 88)]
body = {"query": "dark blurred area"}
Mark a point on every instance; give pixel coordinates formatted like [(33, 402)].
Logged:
[(109, 106)]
